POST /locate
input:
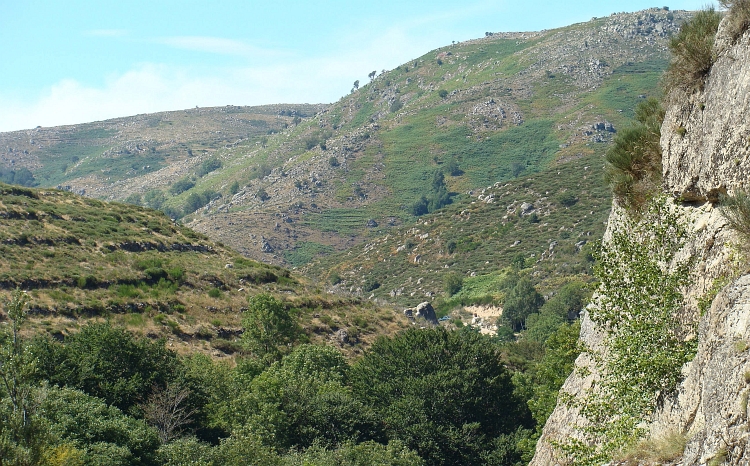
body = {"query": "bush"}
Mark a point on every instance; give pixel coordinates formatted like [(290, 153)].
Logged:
[(736, 210), (738, 17), (453, 282), (633, 169), (262, 195), (396, 106), (443, 93), (179, 187), (234, 188), (692, 53), (208, 166), (370, 284)]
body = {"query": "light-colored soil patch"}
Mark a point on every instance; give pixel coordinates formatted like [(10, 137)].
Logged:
[(484, 317)]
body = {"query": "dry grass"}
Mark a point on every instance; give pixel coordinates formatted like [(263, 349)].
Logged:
[(738, 17), (656, 451), (692, 53)]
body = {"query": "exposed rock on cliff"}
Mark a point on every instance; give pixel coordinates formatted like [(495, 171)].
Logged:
[(706, 143)]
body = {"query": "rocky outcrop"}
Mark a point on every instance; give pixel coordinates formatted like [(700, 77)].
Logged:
[(706, 145), (706, 139)]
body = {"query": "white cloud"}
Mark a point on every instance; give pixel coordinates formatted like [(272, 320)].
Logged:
[(156, 87)]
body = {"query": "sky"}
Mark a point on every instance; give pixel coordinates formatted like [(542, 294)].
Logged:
[(76, 61)]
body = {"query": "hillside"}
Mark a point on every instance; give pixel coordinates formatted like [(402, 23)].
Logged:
[(487, 111), (535, 223), (82, 259)]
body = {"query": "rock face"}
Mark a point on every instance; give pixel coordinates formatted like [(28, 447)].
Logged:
[(710, 157), (705, 140)]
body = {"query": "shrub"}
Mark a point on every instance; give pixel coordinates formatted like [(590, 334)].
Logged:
[(396, 106), (234, 188), (736, 210), (633, 168), (179, 186), (333, 161), (692, 53), (262, 195), (214, 292), (641, 306), (370, 284), (453, 282), (738, 17), (443, 93), (208, 166)]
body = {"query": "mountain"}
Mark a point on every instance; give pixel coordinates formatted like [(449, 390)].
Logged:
[(285, 184)]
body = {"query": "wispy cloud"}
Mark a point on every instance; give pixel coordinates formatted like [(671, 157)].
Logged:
[(147, 88), (218, 45), (106, 32)]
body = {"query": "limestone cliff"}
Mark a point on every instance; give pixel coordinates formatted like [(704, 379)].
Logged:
[(706, 147)]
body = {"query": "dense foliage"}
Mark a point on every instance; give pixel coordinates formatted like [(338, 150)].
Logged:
[(425, 396)]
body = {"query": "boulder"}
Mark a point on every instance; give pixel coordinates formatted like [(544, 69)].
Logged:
[(427, 312)]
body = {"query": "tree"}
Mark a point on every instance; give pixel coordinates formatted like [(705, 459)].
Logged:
[(262, 195), (107, 362), (168, 411), (355, 85), (23, 434), (302, 400), (104, 433), (453, 282), (372, 75), (269, 327), (443, 393), (522, 301)]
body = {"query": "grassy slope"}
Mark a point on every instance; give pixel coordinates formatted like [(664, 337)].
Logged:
[(571, 204), (81, 259)]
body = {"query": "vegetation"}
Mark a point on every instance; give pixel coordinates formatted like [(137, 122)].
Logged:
[(648, 340), (692, 53), (101, 395), (736, 210), (634, 165), (738, 20)]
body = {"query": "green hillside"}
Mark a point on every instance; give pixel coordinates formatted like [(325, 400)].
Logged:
[(82, 259), (545, 224), (285, 184)]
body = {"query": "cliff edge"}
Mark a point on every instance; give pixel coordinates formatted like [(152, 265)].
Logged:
[(705, 140)]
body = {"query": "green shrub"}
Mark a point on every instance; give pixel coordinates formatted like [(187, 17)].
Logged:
[(396, 106), (736, 210), (634, 167), (640, 305), (179, 186), (443, 93), (452, 283), (262, 195), (738, 17), (692, 53), (234, 188), (370, 284), (214, 292), (208, 166)]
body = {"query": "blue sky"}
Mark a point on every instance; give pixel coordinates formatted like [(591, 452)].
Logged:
[(65, 62)]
